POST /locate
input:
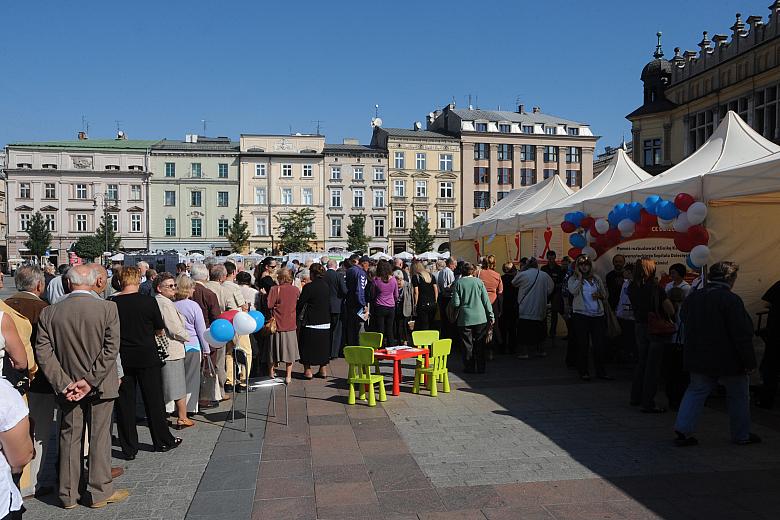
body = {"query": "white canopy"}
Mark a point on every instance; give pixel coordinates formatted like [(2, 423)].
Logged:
[(379, 255), (405, 255), (429, 255), (117, 257), (551, 191)]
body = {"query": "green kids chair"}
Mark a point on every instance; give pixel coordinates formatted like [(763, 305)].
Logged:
[(360, 360), (437, 369)]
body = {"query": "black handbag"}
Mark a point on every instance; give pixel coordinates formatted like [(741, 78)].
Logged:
[(162, 343)]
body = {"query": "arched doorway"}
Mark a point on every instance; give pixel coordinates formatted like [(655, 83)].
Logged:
[(444, 247)]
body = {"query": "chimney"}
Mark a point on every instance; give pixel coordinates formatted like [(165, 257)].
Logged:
[(83, 136), (521, 108), (537, 110)]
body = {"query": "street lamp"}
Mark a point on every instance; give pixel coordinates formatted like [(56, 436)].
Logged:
[(104, 197)]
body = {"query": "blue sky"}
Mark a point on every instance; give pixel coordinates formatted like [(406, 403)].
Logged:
[(265, 67)]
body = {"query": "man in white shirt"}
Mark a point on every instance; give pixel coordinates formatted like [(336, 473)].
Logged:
[(677, 273)]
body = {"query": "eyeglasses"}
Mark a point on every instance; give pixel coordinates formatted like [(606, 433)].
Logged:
[(169, 286)]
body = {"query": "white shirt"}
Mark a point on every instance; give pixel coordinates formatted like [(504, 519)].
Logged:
[(589, 288), (686, 288), (12, 410)]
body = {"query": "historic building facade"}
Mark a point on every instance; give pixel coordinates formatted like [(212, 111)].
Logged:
[(72, 184), (194, 193), (279, 173), (356, 183), (686, 97), (502, 150), (424, 180)]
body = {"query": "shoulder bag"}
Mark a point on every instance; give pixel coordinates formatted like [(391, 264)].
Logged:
[(162, 343), (657, 323), (270, 327)]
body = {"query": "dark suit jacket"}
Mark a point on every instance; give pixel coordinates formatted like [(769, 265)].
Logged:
[(337, 285), (79, 338), (30, 306), (208, 301)]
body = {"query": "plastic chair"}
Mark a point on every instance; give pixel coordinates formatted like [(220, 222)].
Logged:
[(360, 360), (437, 370), (373, 340), (273, 383), (424, 339)]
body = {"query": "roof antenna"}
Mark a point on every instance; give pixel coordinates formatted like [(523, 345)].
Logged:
[(118, 124), (319, 123), (471, 107), (84, 124), (376, 111), (291, 130), (204, 121)]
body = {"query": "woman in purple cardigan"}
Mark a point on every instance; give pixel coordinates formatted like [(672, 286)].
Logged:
[(197, 347), (386, 296)]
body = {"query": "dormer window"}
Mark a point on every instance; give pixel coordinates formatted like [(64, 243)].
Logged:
[(574, 131), (504, 128), (135, 168), (528, 129), (24, 166), (480, 127), (550, 130), (49, 166), (112, 167)]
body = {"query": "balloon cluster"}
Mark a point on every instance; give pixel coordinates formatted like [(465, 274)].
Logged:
[(233, 323), (634, 220)]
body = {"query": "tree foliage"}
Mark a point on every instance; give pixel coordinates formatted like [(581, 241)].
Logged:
[(38, 235), (111, 243), (420, 238), (357, 240), (89, 247), (296, 230), (238, 234)]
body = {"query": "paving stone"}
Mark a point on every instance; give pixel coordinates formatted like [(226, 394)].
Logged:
[(286, 508)]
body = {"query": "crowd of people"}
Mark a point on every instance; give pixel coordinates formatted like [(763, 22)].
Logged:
[(80, 343)]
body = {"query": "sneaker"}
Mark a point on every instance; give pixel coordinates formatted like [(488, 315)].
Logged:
[(683, 440), (120, 495)]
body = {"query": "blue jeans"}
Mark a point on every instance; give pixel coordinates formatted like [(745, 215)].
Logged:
[(738, 402)]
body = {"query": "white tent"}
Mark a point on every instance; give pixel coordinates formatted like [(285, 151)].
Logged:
[(379, 255), (429, 255), (117, 257), (405, 255), (551, 191)]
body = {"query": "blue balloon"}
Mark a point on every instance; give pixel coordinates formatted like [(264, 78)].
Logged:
[(578, 216), (667, 210), (259, 318), (635, 211), (577, 240), (689, 263), (652, 201), (569, 217), (222, 330)]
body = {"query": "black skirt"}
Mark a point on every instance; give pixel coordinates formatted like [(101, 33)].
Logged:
[(315, 346)]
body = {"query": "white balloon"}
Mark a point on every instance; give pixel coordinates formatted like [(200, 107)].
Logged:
[(590, 252), (700, 255), (626, 227), (211, 341), (681, 223), (244, 323), (590, 238), (666, 224), (697, 212), (602, 225)]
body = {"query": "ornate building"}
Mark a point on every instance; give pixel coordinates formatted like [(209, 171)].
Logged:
[(686, 97)]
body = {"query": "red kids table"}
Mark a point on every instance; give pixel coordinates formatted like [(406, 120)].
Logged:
[(396, 356)]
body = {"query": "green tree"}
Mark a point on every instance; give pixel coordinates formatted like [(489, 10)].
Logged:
[(38, 235), (110, 243), (420, 237), (89, 247), (238, 234), (357, 240), (296, 230)]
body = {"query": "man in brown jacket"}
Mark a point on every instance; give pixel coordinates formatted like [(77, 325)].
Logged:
[(77, 347)]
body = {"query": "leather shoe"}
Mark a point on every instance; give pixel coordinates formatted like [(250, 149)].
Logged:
[(116, 472), (169, 447), (120, 495)]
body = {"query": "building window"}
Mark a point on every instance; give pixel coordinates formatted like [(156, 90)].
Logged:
[(504, 128), (170, 198), (573, 154), (400, 159), (222, 170), (114, 221), (135, 192), (223, 199), (81, 222), (652, 152), (505, 175), (259, 195), (261, 226), (170, 169), (335, 198), (550, 130), (500, 195), (357, 198), (528, 129), (420, 161), (765, 112), (527, 176), (335, 227), (112, 192), (307, 196), (195, 199), (307, 171), (287, 197), (550, 154), (379, 198), (287, 170), (357, 173), (700, 127), (223, 225), (445, 162), (739, 105), (81, 191), (170, 227), (135, 168), (446, 220), (446, 190), (196, 170), (49, 166), (421, 213), (574, 131), (114, 167), (379, 174), (549, 172), (399, 188), (480, 127), (421, 189), (25, 192), (481, 151), (24, 166), (399, 219), (527, 152), (572, 177), (259, 170), (335, 173), (379, 227), (197, 227), (49, 191), (135, 223), (504, 152), (481, 175), (481, 199), (24, 221)]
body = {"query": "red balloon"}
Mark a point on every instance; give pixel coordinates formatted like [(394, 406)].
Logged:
[(594, 232), (228, 315), (648, 219), (587, 222), (602, 242), (642, 230), (698, 235), (568, 227), (574, 252), (683, 242), (683, 201), (614, 236)]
